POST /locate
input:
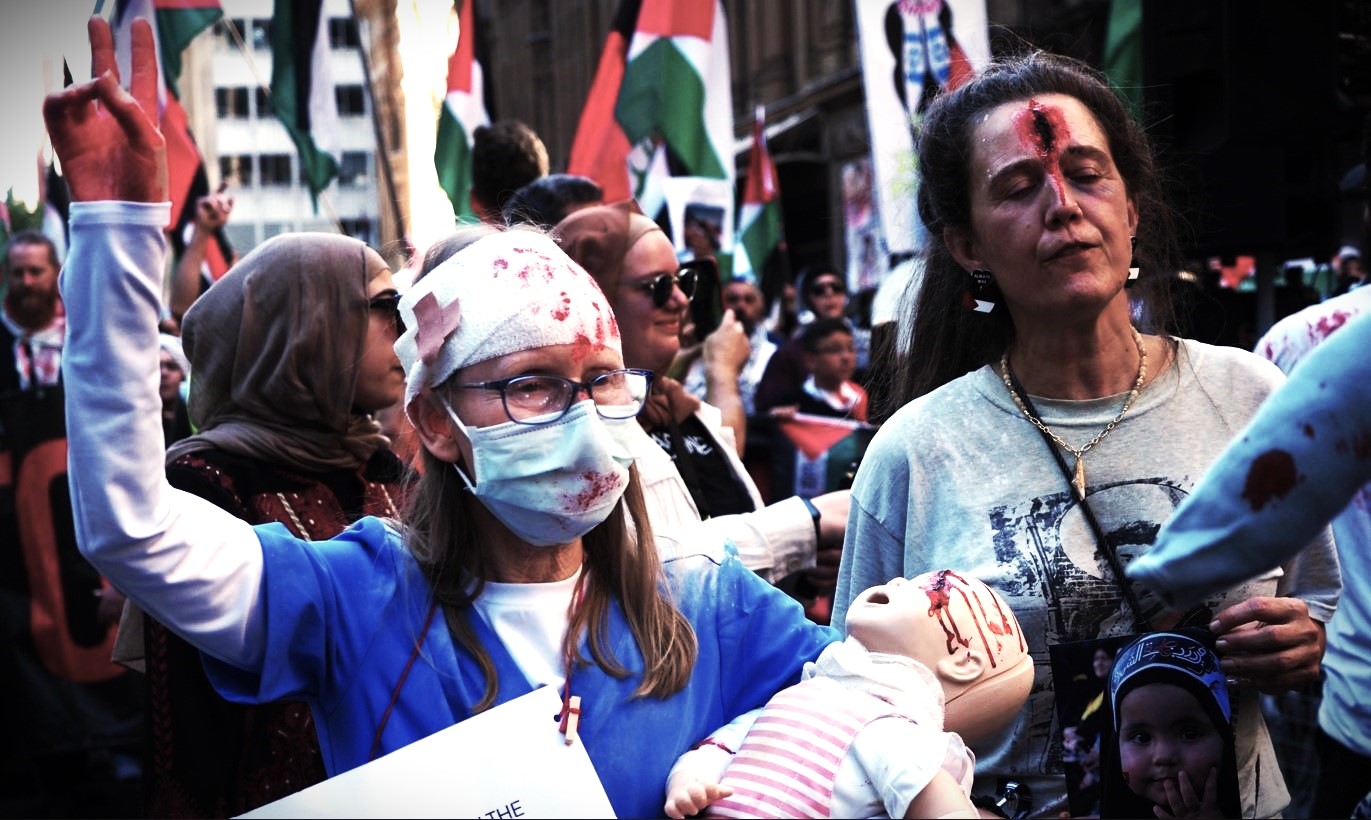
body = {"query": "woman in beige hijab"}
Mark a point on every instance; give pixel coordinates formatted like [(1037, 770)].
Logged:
[(693, 479)]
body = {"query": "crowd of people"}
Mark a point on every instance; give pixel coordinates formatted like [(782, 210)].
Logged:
[(357, 506)]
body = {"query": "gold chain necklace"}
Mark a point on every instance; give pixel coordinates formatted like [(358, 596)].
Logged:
[(1078, 475)]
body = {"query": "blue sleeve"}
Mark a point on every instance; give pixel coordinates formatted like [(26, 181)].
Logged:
[(761, 639), (1291, 470), (323, 601)]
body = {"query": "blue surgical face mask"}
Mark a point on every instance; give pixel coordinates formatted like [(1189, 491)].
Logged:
[(550, 483)]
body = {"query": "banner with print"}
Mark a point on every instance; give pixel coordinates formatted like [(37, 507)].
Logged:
[(910, 51)]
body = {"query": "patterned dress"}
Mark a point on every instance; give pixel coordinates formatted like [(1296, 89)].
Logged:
[(208, 757)]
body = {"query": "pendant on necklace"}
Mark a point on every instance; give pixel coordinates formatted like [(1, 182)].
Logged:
[(1078, 480)]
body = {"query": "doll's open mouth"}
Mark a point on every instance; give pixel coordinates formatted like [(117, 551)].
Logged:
[(878, 597)]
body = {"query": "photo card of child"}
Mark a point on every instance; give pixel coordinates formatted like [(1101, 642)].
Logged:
[(1147, 724)]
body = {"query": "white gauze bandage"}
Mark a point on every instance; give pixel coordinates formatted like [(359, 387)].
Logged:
[(512, 291)]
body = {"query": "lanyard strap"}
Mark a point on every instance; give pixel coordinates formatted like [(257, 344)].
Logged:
[(404, 674)]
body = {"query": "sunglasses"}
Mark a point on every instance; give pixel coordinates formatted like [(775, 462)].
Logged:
[(827, 289), (388, 304), (686, 278)]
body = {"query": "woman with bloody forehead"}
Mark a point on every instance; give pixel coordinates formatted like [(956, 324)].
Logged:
[(1050, 424)]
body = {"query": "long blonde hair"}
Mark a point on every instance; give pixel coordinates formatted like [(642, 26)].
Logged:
[(621, 564)]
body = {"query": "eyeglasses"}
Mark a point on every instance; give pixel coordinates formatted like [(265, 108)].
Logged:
[(388, 303), (827, 289), (618, 394), (660, 286)]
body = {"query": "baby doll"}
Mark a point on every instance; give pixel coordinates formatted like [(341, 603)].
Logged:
[(1173, 733), (878, 725)]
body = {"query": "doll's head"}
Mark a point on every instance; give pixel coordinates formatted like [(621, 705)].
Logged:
[(1171, 713), (964, 632)]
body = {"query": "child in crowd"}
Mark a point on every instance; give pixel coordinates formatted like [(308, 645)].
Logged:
[(1173, 723), (830, 354)]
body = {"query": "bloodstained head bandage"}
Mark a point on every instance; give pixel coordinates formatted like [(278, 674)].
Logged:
[(512, 291)]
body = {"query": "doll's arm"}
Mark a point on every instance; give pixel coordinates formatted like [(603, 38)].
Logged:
[(942, 797), (693, 783), (916, 771), (686, 796)]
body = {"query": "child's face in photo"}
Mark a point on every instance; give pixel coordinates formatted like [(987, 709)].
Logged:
[(1164, 730), (834, 361)]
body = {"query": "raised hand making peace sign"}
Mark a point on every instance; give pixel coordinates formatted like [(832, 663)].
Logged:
[(107, 138)]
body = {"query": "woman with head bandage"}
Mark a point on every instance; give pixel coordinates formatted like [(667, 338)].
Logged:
[(518, 563)]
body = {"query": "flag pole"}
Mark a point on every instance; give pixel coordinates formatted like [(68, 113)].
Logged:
[(382, 149), (247, 54)]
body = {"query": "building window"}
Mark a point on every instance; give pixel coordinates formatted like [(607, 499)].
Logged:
[(342, 33), (236, 171), (231, 103), (351, 101), (363, 229), (264, 109), (261, 35), (354, 169), (275, 169), (226, 28)]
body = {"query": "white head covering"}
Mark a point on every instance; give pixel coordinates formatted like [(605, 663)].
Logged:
[(172, 345), (511, 291)]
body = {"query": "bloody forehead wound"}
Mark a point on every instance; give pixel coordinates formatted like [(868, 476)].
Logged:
[(1042, 129)]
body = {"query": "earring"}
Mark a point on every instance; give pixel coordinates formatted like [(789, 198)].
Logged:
[(982, 293), (1134, 269)]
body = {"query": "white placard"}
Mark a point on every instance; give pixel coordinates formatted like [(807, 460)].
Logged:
[(508, 762)]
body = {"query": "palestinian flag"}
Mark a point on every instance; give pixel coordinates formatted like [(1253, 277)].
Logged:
[(1123, 52), (178, 21), (186, 176), (677, 83), (464, 111), (664, 80), (600, 149), (761, 241), (817, 454), (301, 90)]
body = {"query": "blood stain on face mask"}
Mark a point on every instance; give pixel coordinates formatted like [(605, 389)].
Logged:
[(598, 485)]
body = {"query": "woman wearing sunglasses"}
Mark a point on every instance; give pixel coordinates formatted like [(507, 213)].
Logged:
[(821, 293), (693, 473), (525, 557), (293, 355)]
